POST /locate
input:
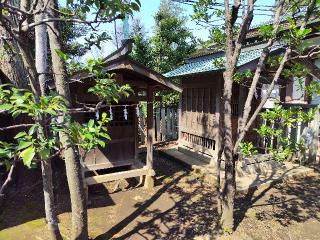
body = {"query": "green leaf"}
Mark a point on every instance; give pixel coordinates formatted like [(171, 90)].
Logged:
[(33, 129), (20, 134), (16, 113), (23, 145), (44, 153), (51, 112), (27, 155), (89, 136), (5, 12), (3, 153), (5, 107), (135, 6), (101, 143), (64, 57), (90, 123)]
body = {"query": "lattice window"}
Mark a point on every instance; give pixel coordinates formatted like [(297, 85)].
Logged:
[(199, 100), (189, 99), (194, 99), (206, 100), (202, 141), (235, 109)]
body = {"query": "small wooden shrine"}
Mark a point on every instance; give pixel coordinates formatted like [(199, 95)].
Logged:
[(122, 149)]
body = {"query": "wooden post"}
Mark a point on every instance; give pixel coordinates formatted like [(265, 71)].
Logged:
[(149, 183), (158, 124), (168, 127), (163, 124), (136, 134), (218, 116)]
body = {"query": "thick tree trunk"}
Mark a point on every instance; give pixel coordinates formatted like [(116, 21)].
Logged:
[(72, 159), (232, 55), (229, 188), (26, 54), (11, 62), (42, 69), (51, 216)]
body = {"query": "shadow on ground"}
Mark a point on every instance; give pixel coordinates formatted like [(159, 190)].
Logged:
[(181, 206), (189, 211)]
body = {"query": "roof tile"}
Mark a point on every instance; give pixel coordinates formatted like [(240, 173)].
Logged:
[(209, 63)]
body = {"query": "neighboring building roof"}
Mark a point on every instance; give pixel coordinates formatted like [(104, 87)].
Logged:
[(253, 36), (213, 62)]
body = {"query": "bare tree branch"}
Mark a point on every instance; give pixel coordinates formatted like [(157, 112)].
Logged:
[(246, 125), (264, 100), (16, 126), (9, 177), (75, 20), (258, 71)]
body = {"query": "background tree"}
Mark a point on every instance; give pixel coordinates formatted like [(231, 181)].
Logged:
[(72, 32), (142, 48), (172, 41), (168, 46)]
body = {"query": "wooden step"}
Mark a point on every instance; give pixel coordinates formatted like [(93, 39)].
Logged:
[(187, 160), (198, 155)]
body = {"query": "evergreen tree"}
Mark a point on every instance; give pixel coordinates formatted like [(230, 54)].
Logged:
[(173, 41), (141, 51), (170, 44)]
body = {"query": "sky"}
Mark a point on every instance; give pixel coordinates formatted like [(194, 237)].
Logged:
[(148, 10)]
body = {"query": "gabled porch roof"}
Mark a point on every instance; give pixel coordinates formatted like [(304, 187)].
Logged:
[(120, 61)]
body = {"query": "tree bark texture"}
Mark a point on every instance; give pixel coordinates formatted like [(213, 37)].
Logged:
[(41, 56), (11, 62), (72, 159), (26, 54), (233, 50), (229, 188)]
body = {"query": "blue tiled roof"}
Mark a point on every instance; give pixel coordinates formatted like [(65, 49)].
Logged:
[(209, 63)]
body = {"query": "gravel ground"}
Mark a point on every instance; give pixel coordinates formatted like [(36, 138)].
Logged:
[(181, 206)]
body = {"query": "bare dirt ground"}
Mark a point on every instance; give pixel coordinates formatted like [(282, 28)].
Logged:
[(181, 206)]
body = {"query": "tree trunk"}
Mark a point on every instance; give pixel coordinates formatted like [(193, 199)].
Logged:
[(11, 62), (51, 216), (42, 69), (232, 55), (26, 54), (229, 189), (72, 159)]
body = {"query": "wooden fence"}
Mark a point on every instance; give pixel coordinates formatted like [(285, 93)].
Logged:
[(165, 122), (307, 132)]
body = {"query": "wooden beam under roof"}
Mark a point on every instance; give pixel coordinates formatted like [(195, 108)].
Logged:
[(125, 63)]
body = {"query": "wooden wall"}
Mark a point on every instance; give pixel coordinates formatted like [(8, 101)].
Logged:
[(122, 148), (199, 118), (201, 114)]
